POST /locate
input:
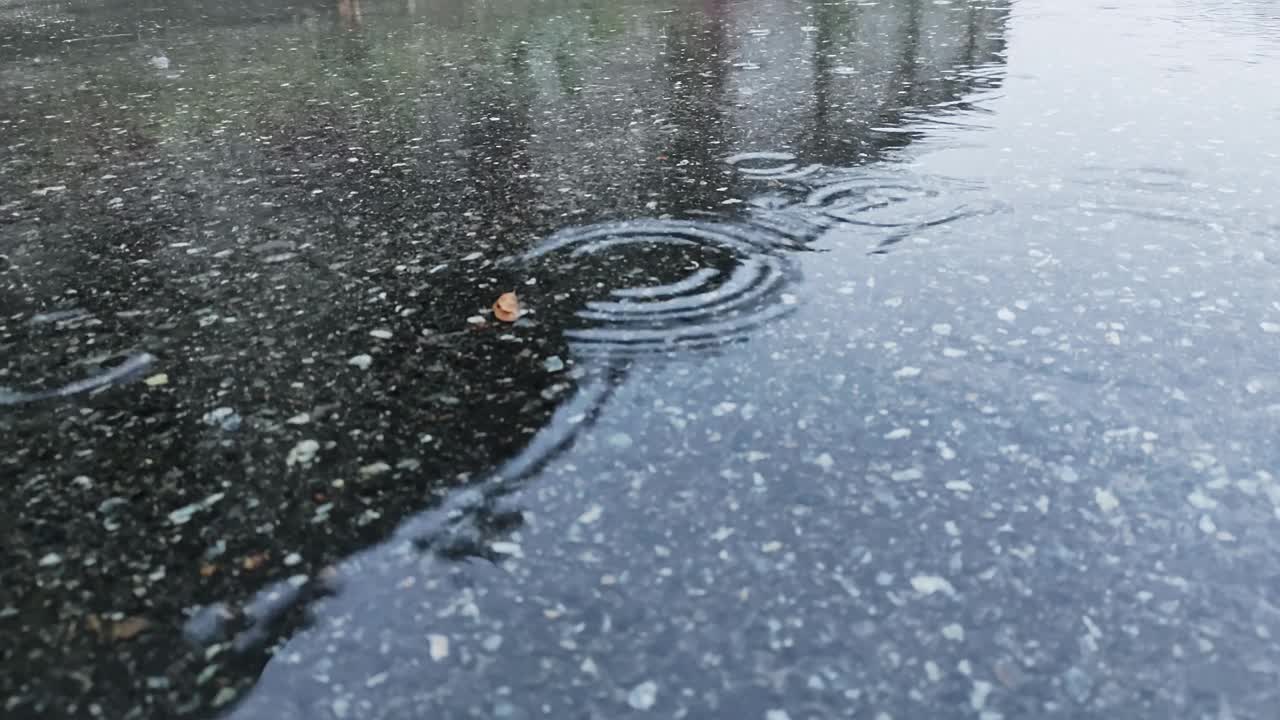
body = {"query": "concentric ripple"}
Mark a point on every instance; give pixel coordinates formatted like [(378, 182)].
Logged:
[(734, 287), (896, 206), (771, 165)]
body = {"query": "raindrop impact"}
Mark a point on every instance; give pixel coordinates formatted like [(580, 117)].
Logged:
[(730, 283), (771, 166)]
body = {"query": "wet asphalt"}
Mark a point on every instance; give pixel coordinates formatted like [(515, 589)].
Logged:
[(876, 360)]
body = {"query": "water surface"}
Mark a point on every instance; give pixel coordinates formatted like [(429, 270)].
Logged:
[(889, 359)]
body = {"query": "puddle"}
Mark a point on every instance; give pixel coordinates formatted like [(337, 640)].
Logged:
[(870, 349)]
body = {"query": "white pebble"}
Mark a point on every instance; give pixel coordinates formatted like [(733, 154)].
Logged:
[(1207, 525), (1200, 501), (438, 647), (1105, 499), (362, 361), (978, 698), (592, 514), (930, 584), (302, 453), (507, 548), (643, 696), (373, 469)]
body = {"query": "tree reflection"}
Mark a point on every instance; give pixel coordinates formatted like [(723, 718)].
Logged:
[(300, 174)]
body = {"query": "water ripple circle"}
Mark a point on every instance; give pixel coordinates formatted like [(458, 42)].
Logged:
[(771, 165), (709, 305), (896, 206)]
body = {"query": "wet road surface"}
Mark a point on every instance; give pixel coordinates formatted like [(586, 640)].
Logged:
[(878, 360)]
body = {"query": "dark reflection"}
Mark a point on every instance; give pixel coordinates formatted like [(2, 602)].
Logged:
[(693, 136), (247, 191)]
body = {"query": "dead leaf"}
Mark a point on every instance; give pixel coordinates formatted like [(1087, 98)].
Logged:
[(129, 627), (208, 569), (253, 562), (507, 308)]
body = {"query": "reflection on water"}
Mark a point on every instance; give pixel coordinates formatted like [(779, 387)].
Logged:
[(243, 194)]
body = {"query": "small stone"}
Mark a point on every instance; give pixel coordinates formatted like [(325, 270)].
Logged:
[(51, 560), (299, 419), (1006, 315), (620, 440), (224, 696), (507, 548), (954, 631), (1200, 501), (374, 469), (1207, 526), (592, 514), (381, 334), (776, 715), (438, 647), (302, 453), (643, 696), (824, 461), (978, 698), (1270, 327), (942, 329), (906, 372), (223, 417), (553, 364), (362, 361), (931, 584), (1105, 499), (157, 380), (292, 559)]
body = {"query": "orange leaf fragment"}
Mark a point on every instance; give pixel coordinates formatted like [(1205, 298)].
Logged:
[(507, 308), (127, 628), (255, 561)]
